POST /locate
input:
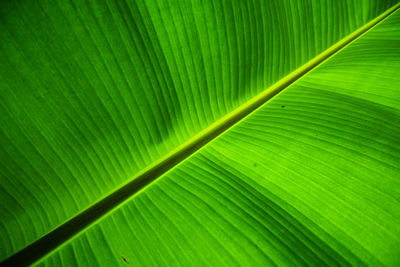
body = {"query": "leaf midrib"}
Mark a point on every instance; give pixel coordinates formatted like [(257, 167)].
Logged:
[(139, 182)]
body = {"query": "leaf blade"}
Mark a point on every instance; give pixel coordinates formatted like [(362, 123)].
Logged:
[(115, 140)]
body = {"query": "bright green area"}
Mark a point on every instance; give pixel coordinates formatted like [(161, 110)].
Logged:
[(93, 92)]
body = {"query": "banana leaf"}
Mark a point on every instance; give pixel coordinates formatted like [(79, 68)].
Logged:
[(200, 133)]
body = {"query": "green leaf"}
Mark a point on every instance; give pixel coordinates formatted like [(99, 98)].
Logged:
[(95, 95)]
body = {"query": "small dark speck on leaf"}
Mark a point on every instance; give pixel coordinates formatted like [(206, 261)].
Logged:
[(124, 259), (255, 165), (282, 106), (26, 230)]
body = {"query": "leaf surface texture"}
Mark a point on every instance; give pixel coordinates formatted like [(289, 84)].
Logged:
[(93, 93)]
